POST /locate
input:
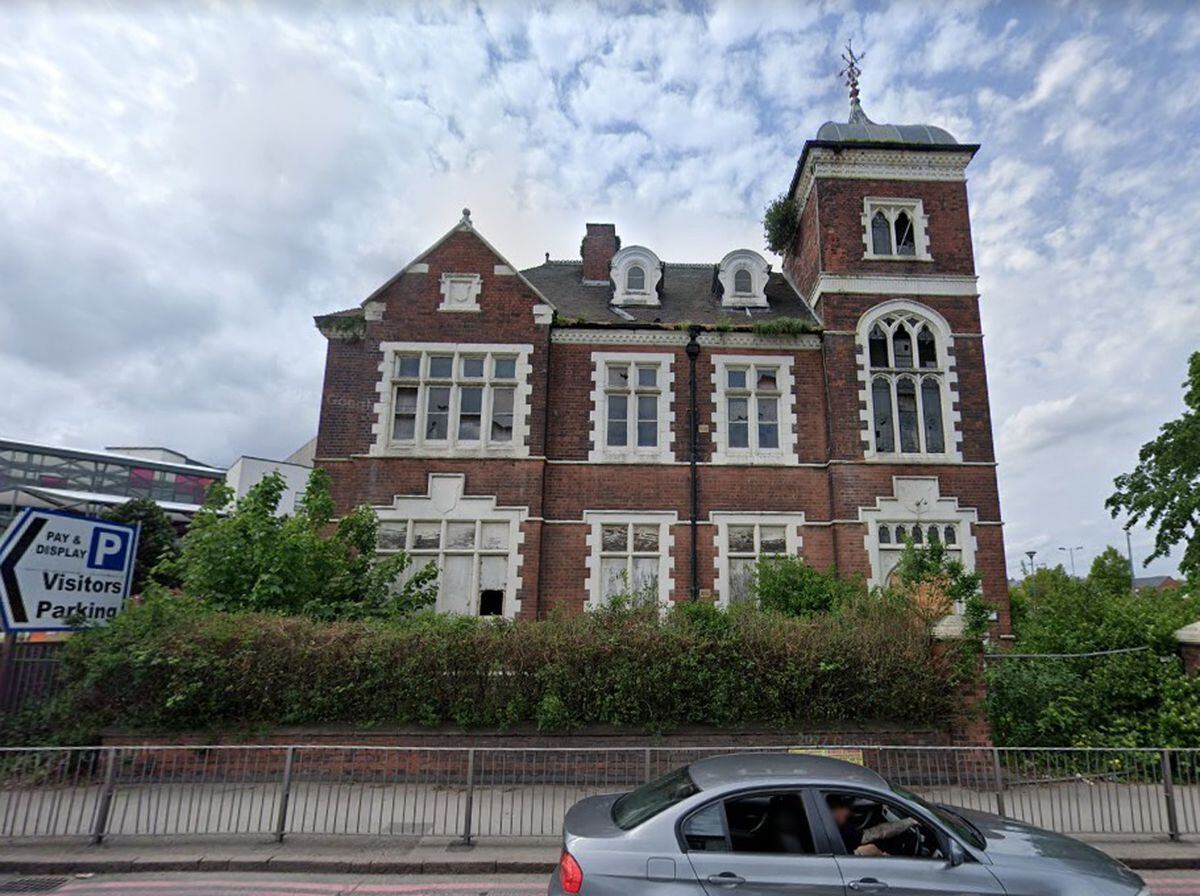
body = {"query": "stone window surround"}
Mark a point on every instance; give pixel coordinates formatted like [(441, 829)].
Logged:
[(649, 263), (786, 452), (722, 520), (664, 519), (381, 429), (915, 208), (664, 451), (759, 270), (445, 500), (951, 417)]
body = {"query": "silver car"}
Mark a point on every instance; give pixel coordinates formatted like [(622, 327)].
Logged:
[(772, 824)]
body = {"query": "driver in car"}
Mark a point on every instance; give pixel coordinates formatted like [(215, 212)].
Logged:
[(859, 842)]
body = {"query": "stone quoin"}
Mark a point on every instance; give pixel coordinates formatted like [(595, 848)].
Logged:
[(531, 431)]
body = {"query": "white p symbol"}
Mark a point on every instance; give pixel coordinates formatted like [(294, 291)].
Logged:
[(108, 544)]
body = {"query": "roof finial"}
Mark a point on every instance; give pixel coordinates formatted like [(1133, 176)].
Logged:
[(851, 73), (466, 218)]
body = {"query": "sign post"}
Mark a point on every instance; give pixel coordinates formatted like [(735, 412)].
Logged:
[(58, 569)]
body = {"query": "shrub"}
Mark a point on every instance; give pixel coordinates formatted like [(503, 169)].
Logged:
[(781, 222), (172, 664), (788, 585)]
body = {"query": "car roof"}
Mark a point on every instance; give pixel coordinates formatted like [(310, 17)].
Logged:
[(716, 771)]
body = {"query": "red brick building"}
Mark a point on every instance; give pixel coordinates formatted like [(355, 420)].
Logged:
[(555, 435)]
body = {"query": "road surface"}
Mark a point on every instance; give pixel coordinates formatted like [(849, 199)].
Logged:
[(1162, 883)]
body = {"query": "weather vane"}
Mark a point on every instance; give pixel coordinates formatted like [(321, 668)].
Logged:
[(851, 71)]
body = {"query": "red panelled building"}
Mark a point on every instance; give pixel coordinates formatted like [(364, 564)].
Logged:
[(619, 424)]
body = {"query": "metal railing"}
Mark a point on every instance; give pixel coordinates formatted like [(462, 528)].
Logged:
[(29, 674), (466, 793)]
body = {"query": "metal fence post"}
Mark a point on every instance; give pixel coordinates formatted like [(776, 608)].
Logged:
[(100, 828), (999, 776), (1169, 796), (470, 806), (285, 790), (646, 769)]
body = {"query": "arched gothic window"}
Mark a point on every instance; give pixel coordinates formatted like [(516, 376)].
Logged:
[(881, 234), (635, 279), (906, 243), (908, 393)]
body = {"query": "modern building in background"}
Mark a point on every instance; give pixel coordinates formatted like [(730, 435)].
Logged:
[(89, 482), (555, 436)]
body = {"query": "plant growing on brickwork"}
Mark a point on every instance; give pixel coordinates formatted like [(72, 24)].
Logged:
[(781, 222), (783, 326), (243, 556), (1164, 488)]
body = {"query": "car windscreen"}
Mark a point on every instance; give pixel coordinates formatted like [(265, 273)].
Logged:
[(955, 822), (650, 799)]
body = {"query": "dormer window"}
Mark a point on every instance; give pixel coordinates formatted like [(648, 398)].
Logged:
[(743, 276), (895, 229), (635, 273)]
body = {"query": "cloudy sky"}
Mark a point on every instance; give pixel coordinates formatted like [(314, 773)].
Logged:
[(182, 186)]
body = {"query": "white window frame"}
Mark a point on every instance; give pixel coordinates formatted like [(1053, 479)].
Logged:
[(664, 451), (445, 503), (915, 209), (596, 519), (452, 446), (915, 500), (792, 523), (627, 258), (944, 372), (758, 269), (785, 381)]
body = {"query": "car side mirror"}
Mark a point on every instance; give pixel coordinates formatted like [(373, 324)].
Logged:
[(956, 855)]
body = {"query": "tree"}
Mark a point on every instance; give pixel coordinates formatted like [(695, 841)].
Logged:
[(1110, 573), (935, 582), (157, 540), (1164, 488), (788, 585), (242, 556)]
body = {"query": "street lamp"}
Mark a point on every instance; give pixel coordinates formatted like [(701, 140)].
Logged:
[(1071, 553), (1032, 565)]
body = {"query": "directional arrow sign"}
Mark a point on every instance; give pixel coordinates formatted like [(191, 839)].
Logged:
[(56, 567)]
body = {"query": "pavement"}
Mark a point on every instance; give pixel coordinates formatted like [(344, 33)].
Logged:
[(313, 854)]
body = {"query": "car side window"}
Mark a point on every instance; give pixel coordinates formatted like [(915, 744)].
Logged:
[(873, 827), (704, 830), (773, 822)]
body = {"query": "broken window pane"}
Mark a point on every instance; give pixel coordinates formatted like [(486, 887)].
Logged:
[(773, 540), (877, 347), (618, 422), (426, 536), (408, 366), (768, 423), (635, 280), (470, 413), (404, 427), (502, 415), (739, 426), (768, 379), (881, 237), (902, 347), (931, 405), (495, 536), (881, 401), (741, 539), (906, 243), (460, 535), (646, 539), (742, 281), (614, 537), (926, 349), (618, 376), (391, 536), (647, 422), (906, 412), (437, 417), (491, 602)]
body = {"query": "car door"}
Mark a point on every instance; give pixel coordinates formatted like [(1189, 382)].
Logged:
[(897, 875), (742, 862)]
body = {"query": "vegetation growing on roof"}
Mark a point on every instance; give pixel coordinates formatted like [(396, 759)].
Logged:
[(781, 222), (783, 326), (345, 328)]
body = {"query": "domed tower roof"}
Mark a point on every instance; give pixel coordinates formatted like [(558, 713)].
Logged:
[(860, 129)]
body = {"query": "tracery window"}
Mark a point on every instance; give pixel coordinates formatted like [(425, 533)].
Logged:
[(908, 386)]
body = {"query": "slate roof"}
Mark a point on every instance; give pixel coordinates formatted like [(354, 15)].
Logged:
[(687, 292)]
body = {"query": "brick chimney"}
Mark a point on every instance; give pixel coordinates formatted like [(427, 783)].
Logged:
[(600, 244)]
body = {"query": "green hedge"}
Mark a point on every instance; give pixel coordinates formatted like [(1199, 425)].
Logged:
[(170, 665)]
